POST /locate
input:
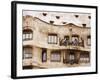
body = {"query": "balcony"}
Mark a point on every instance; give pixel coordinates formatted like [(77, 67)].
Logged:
[(75, 42)]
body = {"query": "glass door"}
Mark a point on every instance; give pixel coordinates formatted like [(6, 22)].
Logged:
[(71, 57)]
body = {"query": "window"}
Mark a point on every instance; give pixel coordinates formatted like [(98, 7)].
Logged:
[(52, 39), (89, 40), (65, 41), (74, 37), (66, 37), (27, 34), (75, 40), (72, 56), (84, 57), (44, 55), (56, 56), (27, 52)]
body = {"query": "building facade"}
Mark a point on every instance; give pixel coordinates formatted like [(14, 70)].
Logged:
[(46, 45)]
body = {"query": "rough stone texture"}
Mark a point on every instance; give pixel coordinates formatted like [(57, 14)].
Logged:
[(41, 29)]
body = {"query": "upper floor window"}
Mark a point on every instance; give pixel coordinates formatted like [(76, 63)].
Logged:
[(66, 37), (27, 34), (52, 39), (88, 40), (27, 52), (64, 41), (75, 39), (55, 56)]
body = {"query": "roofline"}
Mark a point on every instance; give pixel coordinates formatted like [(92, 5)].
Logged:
[(56, 24), (61, 25)]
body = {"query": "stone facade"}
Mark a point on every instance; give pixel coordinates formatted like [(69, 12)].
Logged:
[(46, 45)]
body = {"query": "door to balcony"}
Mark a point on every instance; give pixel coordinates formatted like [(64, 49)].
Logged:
[(71, 57)]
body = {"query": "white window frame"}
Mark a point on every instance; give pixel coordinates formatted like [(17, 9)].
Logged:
[(52, 39)]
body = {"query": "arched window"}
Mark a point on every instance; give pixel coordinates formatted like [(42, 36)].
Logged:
[(27, 52), (27, 34)]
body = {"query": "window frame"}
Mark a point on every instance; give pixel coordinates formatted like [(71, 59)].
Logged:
[(51, 39), (25, 52), (44, 51), (84, 56), (28, 34), (89, 38), (55, 52)]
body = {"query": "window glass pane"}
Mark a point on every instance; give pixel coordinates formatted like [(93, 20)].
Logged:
[(27, 53), (55, 56), (31, 35), (23, 36), (89, 41), (58, 57), (52, 39), (27, 34), (48, 39), (71, 57), (73, 38), (55, 39), (84, 57), (44, 55)]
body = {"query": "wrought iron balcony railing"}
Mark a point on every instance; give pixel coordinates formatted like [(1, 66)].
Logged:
[(71, 43)]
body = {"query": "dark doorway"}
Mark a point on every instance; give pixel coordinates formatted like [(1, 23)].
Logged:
[(71, 58), (44, 55)]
